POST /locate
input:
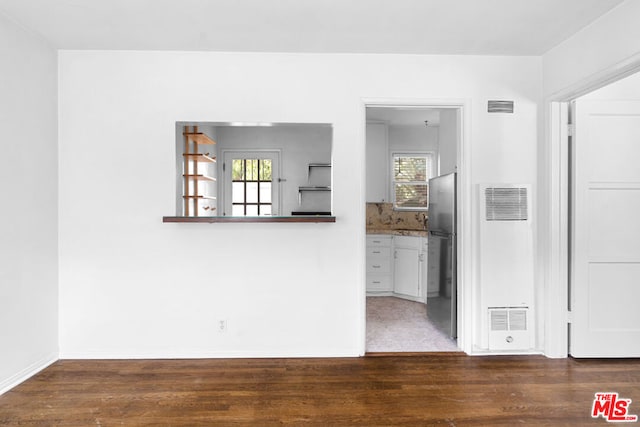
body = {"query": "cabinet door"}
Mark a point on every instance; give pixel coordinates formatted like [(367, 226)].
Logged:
[(377, 162), (407, 272)]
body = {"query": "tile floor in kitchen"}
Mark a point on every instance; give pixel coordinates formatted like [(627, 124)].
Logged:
[(398, 325)]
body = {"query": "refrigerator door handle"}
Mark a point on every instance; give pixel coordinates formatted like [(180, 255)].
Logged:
[(441, 234)]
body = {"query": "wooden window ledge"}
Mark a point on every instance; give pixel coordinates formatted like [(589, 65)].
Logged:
[(212, 219)]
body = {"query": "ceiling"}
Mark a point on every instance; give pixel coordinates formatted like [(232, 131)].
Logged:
[(483, 27)]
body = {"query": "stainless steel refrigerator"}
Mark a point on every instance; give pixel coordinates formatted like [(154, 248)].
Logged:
[(441, 264)]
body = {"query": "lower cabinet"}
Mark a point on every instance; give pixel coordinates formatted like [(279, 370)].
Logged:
[(379, 265), (406, 266), (396, 265)]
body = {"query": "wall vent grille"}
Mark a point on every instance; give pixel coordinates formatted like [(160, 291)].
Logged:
[(500, 107), (506, 204), (508, 319)]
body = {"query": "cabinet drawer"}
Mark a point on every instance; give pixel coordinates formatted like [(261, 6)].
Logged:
[(378, 251), (379, 241), (379, 283), (408, 242), (379, 265)]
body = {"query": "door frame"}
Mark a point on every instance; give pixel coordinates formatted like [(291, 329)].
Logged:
[(466, 293), (555, 172)]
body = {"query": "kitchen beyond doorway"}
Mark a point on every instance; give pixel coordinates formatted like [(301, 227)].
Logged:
[(399, 325), (419, 142)]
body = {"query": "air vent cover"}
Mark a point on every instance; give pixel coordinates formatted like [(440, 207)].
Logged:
[(506, 204), (508, 318), (508, 328), (500, 107)]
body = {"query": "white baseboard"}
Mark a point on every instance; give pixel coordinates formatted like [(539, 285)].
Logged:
[(27, 373), (134, 354)]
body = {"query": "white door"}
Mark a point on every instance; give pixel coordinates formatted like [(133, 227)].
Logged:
[(605, 232), (251, 184)]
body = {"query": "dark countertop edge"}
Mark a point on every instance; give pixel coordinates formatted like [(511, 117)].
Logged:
[(216, 219), (414, 233)]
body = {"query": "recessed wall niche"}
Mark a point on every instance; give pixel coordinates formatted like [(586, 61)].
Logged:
[(253, 171)]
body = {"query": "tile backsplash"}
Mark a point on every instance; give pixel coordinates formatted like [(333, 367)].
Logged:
[(381, 216)]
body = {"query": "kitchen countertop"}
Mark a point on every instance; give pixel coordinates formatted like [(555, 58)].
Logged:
[(415, 233)]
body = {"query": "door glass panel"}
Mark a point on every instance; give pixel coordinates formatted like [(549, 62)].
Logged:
[(265, 192), (237, 192), (252, 210), (252, 192), (237, 210)]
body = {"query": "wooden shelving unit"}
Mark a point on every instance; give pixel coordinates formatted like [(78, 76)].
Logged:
[(192, 176)]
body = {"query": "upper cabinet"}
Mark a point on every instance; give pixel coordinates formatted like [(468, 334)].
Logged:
[(377, 158)]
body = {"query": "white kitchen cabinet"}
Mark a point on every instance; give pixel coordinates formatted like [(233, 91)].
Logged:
[(407, 266), (377, 157), (397, 266), (379, 264)]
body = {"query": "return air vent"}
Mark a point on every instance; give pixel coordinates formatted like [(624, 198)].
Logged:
[(508, 328), (508, 319), (500, 107), (506, 204)]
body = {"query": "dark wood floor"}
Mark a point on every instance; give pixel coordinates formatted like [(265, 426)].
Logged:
[(454, 390)]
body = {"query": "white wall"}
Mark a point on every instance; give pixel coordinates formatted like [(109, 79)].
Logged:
[(610, 42), (409, 138), (28, 185), (133, 286)]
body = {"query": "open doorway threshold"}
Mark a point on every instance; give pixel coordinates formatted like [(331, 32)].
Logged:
[(395, 325)]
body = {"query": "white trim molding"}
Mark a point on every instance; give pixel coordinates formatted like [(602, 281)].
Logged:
[(467, 294), (27, 372)]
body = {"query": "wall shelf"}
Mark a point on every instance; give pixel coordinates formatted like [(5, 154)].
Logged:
[(201, 158), (199, 138), (318, 165), (199, 197), (199, 177), (315, 188)]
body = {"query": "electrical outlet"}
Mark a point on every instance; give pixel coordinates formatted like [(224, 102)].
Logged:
[(222, 326)]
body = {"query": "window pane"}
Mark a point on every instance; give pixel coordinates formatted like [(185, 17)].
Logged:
[(265, 192), (265, 170), (252, 169), (237, 169), (237, 210), (252, 210), (411, 195), (410, 168), (252, 192), (237, 192), (265, 210)]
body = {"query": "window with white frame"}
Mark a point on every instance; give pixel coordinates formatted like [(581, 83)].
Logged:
[(410, 180)]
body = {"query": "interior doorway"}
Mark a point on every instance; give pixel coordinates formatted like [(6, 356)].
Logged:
[(405, 147), (604, 262)]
